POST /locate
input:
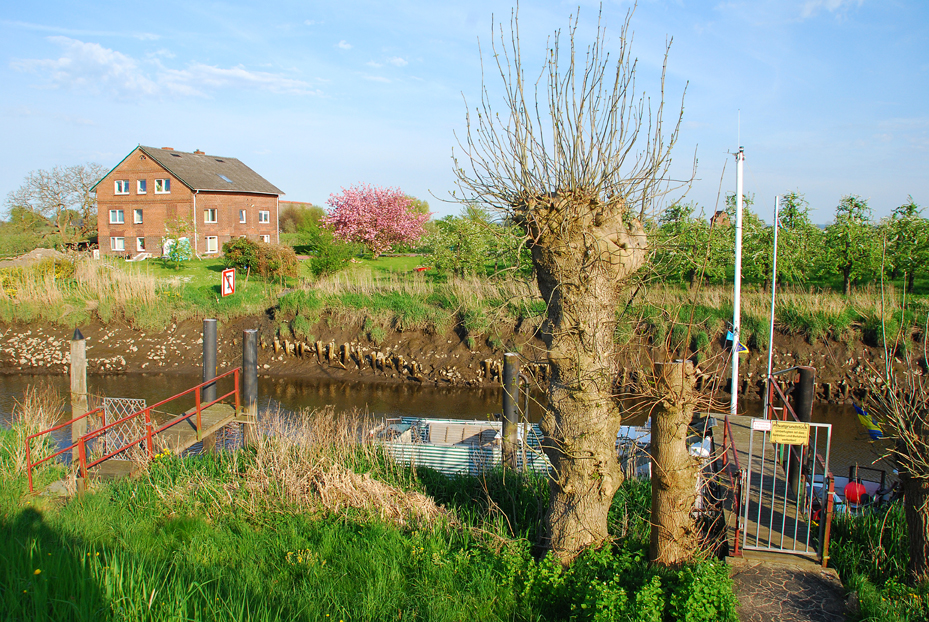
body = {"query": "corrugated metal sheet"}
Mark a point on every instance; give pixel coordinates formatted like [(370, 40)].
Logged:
[(463, 457)]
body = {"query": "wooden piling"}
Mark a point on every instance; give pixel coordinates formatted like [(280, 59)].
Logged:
[(78, 392)]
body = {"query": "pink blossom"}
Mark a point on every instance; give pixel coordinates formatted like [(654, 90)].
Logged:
[(379, 218)]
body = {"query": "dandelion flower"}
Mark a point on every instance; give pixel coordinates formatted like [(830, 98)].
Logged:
[(37, 571)]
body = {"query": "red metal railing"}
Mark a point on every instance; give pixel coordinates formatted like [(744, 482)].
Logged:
[(734, 471), (31, 465), (150, 431)]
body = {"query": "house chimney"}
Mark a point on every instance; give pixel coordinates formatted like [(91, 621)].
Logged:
[(168, 148), (198, 152)]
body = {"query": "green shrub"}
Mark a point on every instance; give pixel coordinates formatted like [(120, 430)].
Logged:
[(241, 254), (331, 254), (276, 261)]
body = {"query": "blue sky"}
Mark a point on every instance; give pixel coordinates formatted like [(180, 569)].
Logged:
[(833, 94)]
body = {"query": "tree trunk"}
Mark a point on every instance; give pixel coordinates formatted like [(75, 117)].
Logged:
[(583, 253), (674, 471), (916, 506)]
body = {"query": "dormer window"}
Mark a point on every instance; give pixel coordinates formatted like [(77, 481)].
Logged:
[(122, 186), (162, 186)]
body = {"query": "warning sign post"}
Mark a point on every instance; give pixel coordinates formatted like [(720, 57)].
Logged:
[(228, 282), (790, 433)]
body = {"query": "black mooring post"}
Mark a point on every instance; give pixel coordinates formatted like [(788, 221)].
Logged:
[(250, 384), (803, 394), (209, 359), (510, 408), (803, 407)]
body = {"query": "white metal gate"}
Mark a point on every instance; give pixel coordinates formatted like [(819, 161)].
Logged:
[(785, 501), (119, 436)]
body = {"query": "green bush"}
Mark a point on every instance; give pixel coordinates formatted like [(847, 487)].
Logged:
[(276, 261), (241, 254), (331, 255)]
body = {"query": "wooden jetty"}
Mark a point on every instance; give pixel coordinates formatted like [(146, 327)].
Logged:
[(120, 447)]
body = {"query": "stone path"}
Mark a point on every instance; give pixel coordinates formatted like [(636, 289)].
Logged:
[(786, 592)]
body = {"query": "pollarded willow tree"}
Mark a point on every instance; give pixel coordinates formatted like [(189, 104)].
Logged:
[(578, 158)]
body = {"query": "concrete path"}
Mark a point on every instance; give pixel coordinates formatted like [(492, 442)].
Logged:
[(770, 588)]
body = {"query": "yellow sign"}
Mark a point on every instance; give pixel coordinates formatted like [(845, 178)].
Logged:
[(790, 433)]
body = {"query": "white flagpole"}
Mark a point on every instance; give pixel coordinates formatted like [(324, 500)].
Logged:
[(737, 293), (771, 325)]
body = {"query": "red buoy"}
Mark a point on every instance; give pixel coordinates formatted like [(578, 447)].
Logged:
[(854, 491)]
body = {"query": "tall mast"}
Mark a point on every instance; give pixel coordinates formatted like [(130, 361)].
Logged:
[(777, 200), (737, 292)]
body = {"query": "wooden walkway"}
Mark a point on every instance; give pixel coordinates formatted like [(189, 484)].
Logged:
[(177, 439)]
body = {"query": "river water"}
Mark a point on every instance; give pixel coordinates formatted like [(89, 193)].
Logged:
[(849, 441)]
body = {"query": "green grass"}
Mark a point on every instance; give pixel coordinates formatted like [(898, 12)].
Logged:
[(871, 554), (191, 541)]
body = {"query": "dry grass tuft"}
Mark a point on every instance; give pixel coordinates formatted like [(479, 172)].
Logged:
[(338, 487), (40, 408), (311, 460)]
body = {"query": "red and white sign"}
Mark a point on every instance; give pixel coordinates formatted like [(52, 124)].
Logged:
[(228, 284)]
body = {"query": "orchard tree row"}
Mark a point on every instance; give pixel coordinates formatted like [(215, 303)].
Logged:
[(855, 249)]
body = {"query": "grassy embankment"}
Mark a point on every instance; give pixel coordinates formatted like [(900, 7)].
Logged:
[(313, 525), (378, 296), (870, 552)]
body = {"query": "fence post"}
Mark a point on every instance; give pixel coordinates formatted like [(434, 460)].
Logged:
[(250, 385), (78, 389), (198, 403), (148, 433), (81, 479), (209, 359), (510, 409)]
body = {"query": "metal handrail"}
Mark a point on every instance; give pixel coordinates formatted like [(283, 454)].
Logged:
[(82, 441), (735, 481), (31, 465)]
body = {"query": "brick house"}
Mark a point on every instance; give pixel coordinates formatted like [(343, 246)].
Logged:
[(224, 198)]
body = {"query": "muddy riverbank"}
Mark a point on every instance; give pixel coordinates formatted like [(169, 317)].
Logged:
[(344, 352)]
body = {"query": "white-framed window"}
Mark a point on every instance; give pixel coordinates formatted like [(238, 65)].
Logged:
[(122, 186), (141, 187), (264, 216), (117, 244), (137, 217), (117, 217), (265, 238), (242, 216), (209, 215), (140, 244), (162, 186), (212, 244)]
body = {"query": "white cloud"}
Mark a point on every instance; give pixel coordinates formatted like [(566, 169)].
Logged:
[(344, 45), (397, 61), (812, 7), (377, 79), (371, 63), (92, 67)]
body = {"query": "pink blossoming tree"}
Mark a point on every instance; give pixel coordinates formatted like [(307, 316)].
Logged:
[(379, 218)]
